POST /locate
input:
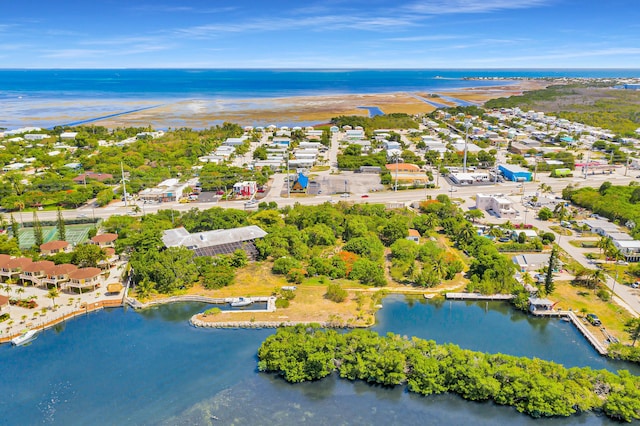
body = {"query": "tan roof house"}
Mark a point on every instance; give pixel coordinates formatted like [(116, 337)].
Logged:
[(53, 247), (58, 274), (104, 240), (12, 268), (35, 271), (84, 278), (4, 304)]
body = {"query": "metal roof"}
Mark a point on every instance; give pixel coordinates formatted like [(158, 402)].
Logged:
[(181, 237)]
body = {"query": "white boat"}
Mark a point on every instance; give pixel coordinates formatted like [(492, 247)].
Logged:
[(25, 337), (241, 301)]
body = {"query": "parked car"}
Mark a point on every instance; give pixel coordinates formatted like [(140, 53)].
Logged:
[(636, 284), (593, 319)]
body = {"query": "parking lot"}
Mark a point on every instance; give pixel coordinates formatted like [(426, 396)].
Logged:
[(354, 183)]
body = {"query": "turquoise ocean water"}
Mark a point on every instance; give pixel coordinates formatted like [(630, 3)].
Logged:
[(137, 368), (29, 94)]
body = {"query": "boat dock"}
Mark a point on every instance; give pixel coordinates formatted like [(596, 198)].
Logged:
[(600, 347), (478, 296), (269, 300)]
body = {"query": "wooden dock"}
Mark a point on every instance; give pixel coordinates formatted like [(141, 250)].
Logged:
[(478, 296), (270, 300), (600, 347)]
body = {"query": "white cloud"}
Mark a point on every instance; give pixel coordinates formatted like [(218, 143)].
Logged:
[(73, 53), (425, 38), (441, 7)]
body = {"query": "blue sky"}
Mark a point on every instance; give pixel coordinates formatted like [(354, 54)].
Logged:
[(320, 34)]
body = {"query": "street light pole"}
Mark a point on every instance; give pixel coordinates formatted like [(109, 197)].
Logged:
[(466, 140)]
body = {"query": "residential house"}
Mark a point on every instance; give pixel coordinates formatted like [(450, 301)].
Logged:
[(600, 227), (68, 136), (12, 268), (35, 271), (629, 248), (414, 236), (529, 262), (84, 278), (105, 240), (497, 204), (58, 275)]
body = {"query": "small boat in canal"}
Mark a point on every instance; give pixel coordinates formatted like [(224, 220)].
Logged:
[(241, 301)]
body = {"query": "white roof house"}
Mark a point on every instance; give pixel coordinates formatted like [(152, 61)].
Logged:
[(68, 135)]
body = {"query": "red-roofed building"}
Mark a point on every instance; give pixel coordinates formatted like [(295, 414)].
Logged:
[(105, 240), (13, 267), (58, 275), (414, 236), (83, 278), (4, 304), (35, 271), (53, 247)]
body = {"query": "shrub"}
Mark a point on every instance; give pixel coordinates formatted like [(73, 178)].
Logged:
[(212, 311), (4, 317), (284, 265), (282, 303), (336, 293), (296, 275), (604, 294)]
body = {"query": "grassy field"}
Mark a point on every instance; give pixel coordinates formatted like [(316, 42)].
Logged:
[(583, 301), (75, 234)]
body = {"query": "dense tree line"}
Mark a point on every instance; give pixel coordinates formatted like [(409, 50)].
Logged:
[(369, 124), (616, 110), (490, 271), (620, 204), (533, 386)]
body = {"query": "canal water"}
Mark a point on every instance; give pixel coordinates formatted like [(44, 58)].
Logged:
[(119, 366)]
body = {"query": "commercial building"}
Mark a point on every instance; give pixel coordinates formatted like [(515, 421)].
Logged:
[(169, 190), (515, 173), (216, 242), (496, 204)]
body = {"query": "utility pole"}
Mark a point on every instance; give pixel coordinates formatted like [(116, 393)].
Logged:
[(397, 159), (124, 186), (586, 166), (467, 124), (626, 166)]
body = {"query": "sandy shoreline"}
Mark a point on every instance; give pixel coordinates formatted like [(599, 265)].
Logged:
[(298, 110)]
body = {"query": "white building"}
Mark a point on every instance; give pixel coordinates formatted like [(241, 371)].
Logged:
[(35, 136), (629, 248), (166, 191), (68, 136), (497, 204)]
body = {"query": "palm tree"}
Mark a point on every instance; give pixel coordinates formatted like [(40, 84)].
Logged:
[(544, 188), (494, 231), (8, 289), (597, 276), (466, 234), (53, 293), (439, 267), (19, 290), (560, 211), (633, 328)]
